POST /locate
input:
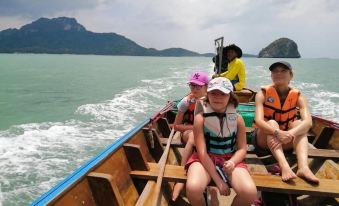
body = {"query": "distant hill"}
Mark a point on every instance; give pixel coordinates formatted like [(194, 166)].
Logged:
[(280, 48), (65, 35), (249, 55)]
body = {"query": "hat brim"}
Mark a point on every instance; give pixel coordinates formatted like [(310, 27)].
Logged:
[(274, 65), (222, 89), (235, 48), (197, 82)]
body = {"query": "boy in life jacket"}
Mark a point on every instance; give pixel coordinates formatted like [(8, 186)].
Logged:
[(220, 139), (185, 117), (277, 123)]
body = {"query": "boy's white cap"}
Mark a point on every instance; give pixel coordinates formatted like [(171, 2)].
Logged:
[(220, 83)]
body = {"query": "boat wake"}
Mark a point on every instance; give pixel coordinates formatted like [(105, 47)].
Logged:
[(35, 156)]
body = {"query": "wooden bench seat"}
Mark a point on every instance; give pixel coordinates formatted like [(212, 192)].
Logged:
[(323, 153), (270, 183), (173, 173)]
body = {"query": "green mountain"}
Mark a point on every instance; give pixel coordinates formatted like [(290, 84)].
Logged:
[(65, 35)]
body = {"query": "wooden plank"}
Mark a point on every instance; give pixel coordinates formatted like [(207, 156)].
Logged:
[(164, 127), (310, 136), (324, 153), (173, 173), (161, 165), (117, 165), (334, 142), (324, 137), (146, 196), (135, 158), (255, 165), (75, 196), (245, 95), (157, 150), (104, 189), (269, 183), (329, 170)]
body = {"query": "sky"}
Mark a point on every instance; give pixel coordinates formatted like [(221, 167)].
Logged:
[(194, 24)]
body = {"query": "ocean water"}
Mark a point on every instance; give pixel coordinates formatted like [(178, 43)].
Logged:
[(58, 111)]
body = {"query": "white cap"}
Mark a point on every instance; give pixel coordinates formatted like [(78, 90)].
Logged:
[(220, 83)]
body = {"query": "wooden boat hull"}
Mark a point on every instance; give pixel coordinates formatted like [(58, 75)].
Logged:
[(110, 177), (75, 189)]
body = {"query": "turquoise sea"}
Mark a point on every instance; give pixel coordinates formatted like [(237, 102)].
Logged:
[(58, 111)]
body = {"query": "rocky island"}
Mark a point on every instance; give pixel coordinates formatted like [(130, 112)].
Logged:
[(280, 48)]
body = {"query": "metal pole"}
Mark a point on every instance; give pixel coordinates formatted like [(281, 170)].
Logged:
[(219, 42)]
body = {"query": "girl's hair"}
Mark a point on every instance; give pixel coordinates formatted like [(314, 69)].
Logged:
[(233, 99)]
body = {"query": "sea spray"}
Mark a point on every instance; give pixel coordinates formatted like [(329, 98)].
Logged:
[(0, 196)]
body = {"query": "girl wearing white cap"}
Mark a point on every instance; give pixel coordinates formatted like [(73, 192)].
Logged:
[(220, 139)]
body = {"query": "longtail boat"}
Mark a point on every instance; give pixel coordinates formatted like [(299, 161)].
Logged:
[(141, 167)]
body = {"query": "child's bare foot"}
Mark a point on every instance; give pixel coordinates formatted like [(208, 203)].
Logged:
[(287, 174), (307, 174), (176, 190)]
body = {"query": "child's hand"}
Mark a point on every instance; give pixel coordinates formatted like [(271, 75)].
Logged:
[(223, 188), (285, 137), (229, 166)]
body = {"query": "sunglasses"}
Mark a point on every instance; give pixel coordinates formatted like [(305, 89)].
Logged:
[(195, 86)]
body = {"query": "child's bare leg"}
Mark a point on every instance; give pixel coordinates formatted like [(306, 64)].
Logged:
[(186, 154), (197, 181), (278, 152), (244, 186), (300, 144)]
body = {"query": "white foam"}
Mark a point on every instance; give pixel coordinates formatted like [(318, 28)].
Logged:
[(0, 196), (321, 102), (307, 86), (34, 157)]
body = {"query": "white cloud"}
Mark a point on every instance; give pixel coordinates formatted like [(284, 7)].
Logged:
[(193, 24)]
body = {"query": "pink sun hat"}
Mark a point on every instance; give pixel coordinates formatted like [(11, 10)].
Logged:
[(199, 78)]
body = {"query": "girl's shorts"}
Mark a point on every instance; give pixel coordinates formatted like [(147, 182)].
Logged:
[(216, 159)]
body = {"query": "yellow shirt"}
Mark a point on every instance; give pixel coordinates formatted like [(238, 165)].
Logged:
[(236, 71)]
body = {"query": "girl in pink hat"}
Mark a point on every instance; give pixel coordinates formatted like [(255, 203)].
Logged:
[(185, 117)]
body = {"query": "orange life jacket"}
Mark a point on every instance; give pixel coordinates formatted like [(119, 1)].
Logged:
[(189, 114), (285, 114)]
